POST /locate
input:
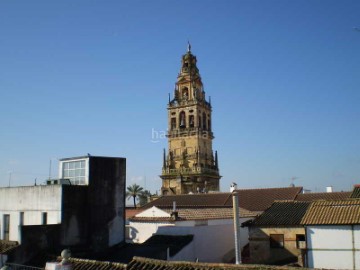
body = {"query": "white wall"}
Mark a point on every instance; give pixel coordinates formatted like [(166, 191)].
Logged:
[(331, 246), (33, 201), (211, 242), (139, 232)]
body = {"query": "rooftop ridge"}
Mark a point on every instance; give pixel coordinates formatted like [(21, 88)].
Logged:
[(325, 192), (199, 265), (268, 188)]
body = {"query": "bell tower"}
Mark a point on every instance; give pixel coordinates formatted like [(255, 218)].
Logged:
[(190, 165)]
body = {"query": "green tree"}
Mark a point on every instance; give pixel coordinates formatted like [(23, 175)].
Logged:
[(143, 197), (134, 191)]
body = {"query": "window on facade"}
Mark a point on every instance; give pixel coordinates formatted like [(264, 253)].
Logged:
[(43, 218), (75, 171), (199, 124), (173, 123), (300, 240), (21, 218), (182, 120), (6, 220), (191, 121), (276, 240)]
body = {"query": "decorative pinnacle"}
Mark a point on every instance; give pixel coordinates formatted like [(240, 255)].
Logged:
[(189, 47)]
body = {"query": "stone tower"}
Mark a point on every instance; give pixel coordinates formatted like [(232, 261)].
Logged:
[(190, 164)]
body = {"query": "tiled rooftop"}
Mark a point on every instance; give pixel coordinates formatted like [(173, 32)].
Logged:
[(285, 213), (185, 200), (342, 212), (82, 264), (308, 197), (197, 213), (151, 264), (254, 200), (7, 246), (261, 199), (356, 192), (131, 212)]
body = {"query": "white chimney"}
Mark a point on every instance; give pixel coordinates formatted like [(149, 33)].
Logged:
[(329, 189), (233, 187)]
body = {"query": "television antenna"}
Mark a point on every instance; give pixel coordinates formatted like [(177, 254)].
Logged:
[(293, 180)]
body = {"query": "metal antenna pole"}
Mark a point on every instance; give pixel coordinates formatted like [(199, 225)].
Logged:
[(50, 170), (236, 227), (10, 177)]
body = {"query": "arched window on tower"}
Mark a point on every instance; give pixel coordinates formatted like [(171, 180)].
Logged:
[(191, 121), (199, 124), (185, 93), (209, 124), (185, 66), (182, 120), (204, 121), (173, 123)]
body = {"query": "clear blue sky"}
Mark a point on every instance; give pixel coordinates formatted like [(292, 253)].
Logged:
[(80, 77)]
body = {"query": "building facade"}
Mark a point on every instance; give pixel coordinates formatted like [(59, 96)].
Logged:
[(276, 236), (212, 228), (333, 234), (189, 166), (85, 207)]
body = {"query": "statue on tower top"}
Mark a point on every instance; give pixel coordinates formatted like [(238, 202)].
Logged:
[(189, 47)]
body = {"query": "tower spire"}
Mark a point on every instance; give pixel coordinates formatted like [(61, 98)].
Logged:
[(189, 47)]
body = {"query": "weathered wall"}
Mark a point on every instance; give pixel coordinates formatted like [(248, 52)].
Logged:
[(260, 250), (34, 239), (74, 226), (33, 201), (333, 246), (3, 259), (106, 201)]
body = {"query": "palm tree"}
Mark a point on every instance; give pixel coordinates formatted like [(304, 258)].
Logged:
[(134, 191)]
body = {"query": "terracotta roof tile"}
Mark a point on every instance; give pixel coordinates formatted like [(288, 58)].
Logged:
[(7, 246), (208, 199), (256, 200), (356, 192), (82, 264), (308, 197), (286, 213), (152, 264), (343, 212), (197, 213), (261, 199), (131, 212)]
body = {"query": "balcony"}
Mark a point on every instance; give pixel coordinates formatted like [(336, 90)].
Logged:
[(188, 132), (189, 171)]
